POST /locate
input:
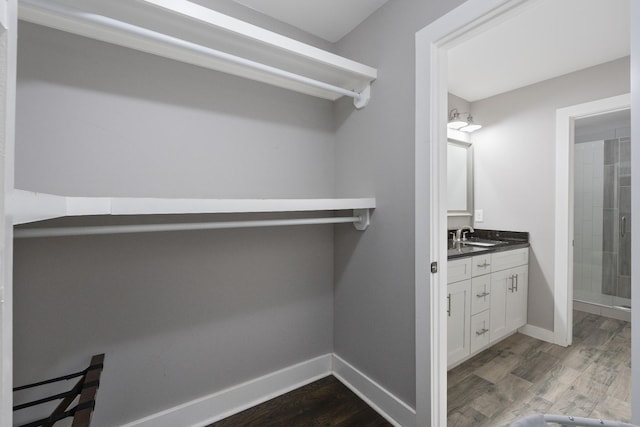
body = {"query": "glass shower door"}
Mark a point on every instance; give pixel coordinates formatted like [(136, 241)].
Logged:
[(589, 217), (602, 222), (617, 226)]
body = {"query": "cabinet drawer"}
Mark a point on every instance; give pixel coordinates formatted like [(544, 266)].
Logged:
[(479, 331), (480, 294), (509, 259), (481, 264), (458, 269)]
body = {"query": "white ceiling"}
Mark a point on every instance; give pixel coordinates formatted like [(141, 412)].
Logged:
[(327, 19), (548, 39)]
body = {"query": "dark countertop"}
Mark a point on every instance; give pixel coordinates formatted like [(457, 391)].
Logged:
[(509, 240)]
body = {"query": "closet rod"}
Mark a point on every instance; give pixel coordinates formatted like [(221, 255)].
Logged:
[(113, 24), (25, 233)]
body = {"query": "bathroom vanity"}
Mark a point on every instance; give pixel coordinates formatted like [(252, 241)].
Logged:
[(487, 291)]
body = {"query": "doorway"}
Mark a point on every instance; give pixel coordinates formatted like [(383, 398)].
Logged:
[(432, 44), (565, 209), (602, 219)]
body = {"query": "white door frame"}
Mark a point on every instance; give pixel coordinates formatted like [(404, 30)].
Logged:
[(432, 43), (8, 52), (563, 272)]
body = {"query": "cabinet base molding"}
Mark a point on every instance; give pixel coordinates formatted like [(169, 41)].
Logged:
[(475, 353), (528, 330)]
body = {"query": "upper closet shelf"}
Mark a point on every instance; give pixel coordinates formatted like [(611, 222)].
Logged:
[(187, 32), (26, 206)]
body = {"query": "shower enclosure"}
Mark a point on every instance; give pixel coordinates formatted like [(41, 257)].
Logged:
[(602, 211)]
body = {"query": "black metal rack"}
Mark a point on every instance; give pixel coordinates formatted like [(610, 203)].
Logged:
[(86, 388)]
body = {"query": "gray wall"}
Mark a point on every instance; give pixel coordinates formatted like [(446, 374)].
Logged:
[(97, 119), (514, 164), (462, 105), (374, 323), (179, 315)]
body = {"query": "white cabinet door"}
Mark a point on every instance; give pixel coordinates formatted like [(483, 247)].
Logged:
[(500, 281), (516, 299), (508, 301), (458, 309)]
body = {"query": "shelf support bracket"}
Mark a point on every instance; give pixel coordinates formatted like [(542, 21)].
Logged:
[(365, 219), (363, 98)]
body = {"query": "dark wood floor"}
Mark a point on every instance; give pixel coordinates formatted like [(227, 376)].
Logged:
[(326, 402), (521, 376)]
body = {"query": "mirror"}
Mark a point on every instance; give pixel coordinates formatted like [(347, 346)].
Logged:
[(459, 178)]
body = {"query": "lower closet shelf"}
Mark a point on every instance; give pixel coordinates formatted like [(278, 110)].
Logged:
[(27, 207)]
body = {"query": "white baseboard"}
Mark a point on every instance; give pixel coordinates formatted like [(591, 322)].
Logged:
[(538, 333), (214, 407), (209, 409), (386, 404)]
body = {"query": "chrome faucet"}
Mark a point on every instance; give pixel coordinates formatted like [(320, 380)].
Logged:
[(459, 236)]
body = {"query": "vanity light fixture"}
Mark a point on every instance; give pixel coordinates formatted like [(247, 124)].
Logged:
[(457, 123), (471, 126)]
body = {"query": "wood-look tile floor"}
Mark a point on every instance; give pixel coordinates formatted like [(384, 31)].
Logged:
[(521, 376), (326, 402)]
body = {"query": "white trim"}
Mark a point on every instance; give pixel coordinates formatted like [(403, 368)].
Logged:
[(214, 407), (209, 409), (386, 404), (537, 333), (635, 209), (432, 42), (426, 372), (563, 271), (7, 142), (438, 231)]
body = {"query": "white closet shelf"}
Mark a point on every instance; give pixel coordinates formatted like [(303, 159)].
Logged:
[(187, 32), (27, 206)]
